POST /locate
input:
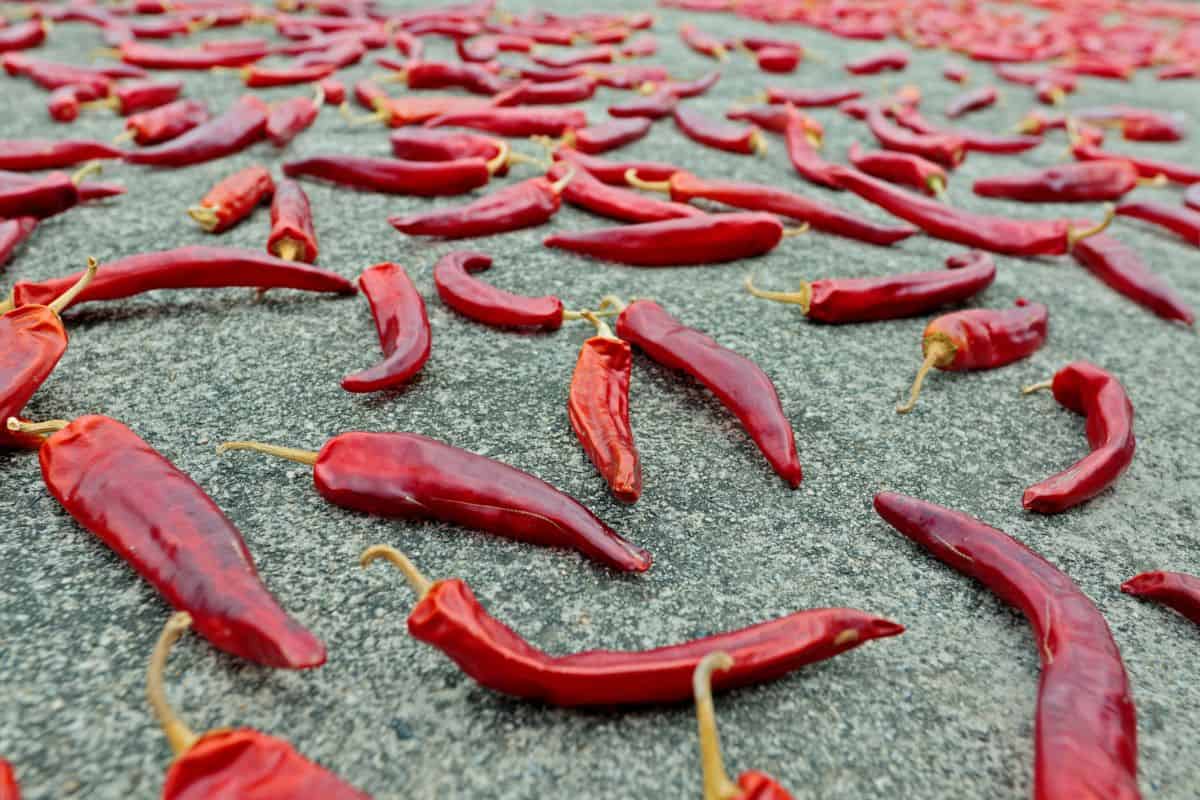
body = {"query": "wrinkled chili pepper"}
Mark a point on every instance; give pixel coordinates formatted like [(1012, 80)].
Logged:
[(153, 56), (1080, 182), (608, 135), (743, 139), (165, 526), (419, 144), (1146, 167), (449, 617), (887, 61), (802, 153), (843, 300), (165, 122), (45, 196), (979, 141), (702, 43), (256, 76), (241, 126), (52, 75), (22, 36), (686, 89), (771, 118), (613, 172), (474, 78), (1124, 271), (686, 241), (485, 303), (625, 77), (979, 338), (1096, 394), (1086, 726), (130, 98), (739, 383), (514, 122), (292, 237), (9, 789), (289, 118), (237, 762), (811, 98), (904, 168), (1176, 590), (12, 233), (485, 48), (394, 175), (1182, 221), (398, 112), (529, 93), (403, 328), (26, 155), (233, 198), (410, 476), (522, 205), (660, 103), (943, 148), (974, 100), (589, 193)]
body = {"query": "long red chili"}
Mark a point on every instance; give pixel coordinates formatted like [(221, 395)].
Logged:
[(241, 126), (686, 241), (43, 197), (1191, 196), (1096, 394), (26, 155), (979, 338), (153, 56), (289, 118), (514, 122), (614, 172), (411, 476), (165, 526), (23, 35), (905, 168), (811, 98), (165, 122), (607, 136), (530, 93), (292, 237), (1179, 220), (1086, 727), (403, 327), (233, 198), (393, 175), (522, 205), (886, 61), (449, 617), (979, 141), (1124, 271), (589, 193), (474, 78), (972, 100), (702, 43), (945, 149), (1146, 167), (1176, 590), (660, 103), (130, 98), (1080, 182), (744, 139), (12, 233), (485, 303)]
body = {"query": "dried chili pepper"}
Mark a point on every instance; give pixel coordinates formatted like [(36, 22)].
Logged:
[(152, 56), (9, 789), (1176, 590), (45, 196), (26, 155), (419, 144), (449, 617), (613, 172), (591, 194), (973, 100), (529, 93), (411, 476), (943, 148), (1124, 271), (770, 118), (514, 122), (739, 383), (843, 300), (289, 118), (886, 61), (1096, 394), (811, 98), (608, 136), (165, 122), (474, 78), (23, 36), (778, 60), (744, 139), (486, 304), (292, 236), (1083, 678), (577, 58), (979, 338), (12, 233), (256, 76), (403, 328), (237, 762), (396, 176), (241, 126), (64, 104), (1191, 196), (1182, 221), (332, 91), (625, 77), (905, 168), (1080, 182), (685, 89), (233, 199), (522, 205), (801, 148), (130, 98), (979, 141), (1146, 167), (660, 103), (686, 241)]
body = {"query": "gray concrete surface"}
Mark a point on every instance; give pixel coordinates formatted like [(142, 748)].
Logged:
[(944, 711)]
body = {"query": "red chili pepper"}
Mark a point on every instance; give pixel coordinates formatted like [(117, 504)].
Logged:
[(403, 328), (474, 78), (240, 762), (486, 304), (702, 43), (333, 91), (23, 35), (743, 139), (686, 89), (153, 56), (64, 104), (910, 294), (289, 118), (165, 122), (942, 148), (904, 168), (529, 93), (687, 241), (979, 141), (531, 72), (241, 126), (886, 61), (955, 73), (233, 199), (973, 100), (9, 790), (418, 144), (801, 147), (486, 48), (398, 112), (395, 176), (811, 98), (1146, 167), (451, 28), (1096, 394), (660, 103), (259, 77), (12, 233), (344, 54), (130, 98), (1191, 196), (625, 77), (1082, 674), (183, 268), (43, 197), (292, 237), (1175, 590), (1182, 221), (26, 155), (1082, 182), (1124, 271), (522, 205), (589, 193), (614, 172), (577, 58), (608, 136), (52, 75), (411, 476), (979, 338), (514, 122), (770, 118), (1151, 129), (778, 60), (449, 617), (88, 190)]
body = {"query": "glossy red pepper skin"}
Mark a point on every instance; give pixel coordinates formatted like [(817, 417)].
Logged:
[(1080, 182), (522, 205), (904, 168), (760, 786), (32, 341), (529, 93), (233, 198), (166, 122), (812, 98), (152, 56), (9, 790), (609, 135), (1151, 129), (1182, 221), (589, 193), (979, 141), (598, 408), (687, 241), (738, 382), (393, 175), (241, 126), (22, 36), (1096, 394), (403, 327), (1175, 590), (1124, 271), (743, 139), (887, 61), (12, 233), (944, 149), (485, 303), (613, 172), (289, 118), (974, 100), (660, 103), (1086, 726), (165, 526), (514, 122), (292, 236), (1146, 167), (25, 155), (53, 194)]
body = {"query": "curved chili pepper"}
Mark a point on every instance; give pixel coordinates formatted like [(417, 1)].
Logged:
[(474, 78), (448, 616), (486, 48), (419, 144), (1182, 221), (289, 118), (702, 43), (770, 118), (410, 476), (660, 103), (1125, 272), (603, 54), (522, 205), (485, 303), (979, 338), (165, 122), (393, 175), (130, 98), (64, 104), (896, 167), (153, 56), (591, 194), (1191, 196), (241, 126), (811, 98), (887, 61), (614, 172), (43, 197), (184, 268), (9, 790), (686, 241), (23, 36), (53, 76), (1176, 590), (778, 60), (693, 88), (165, 526), (529, 93), (1083, 678), (333, 91), (233, 198), (292, 236), (26, 155), (1080, 182), (598, 407), (978, 141), (12, 233), (739, 383), (608, 136), (398, 112), (744, 139), (403, 327), (626, 77), (233, 762), (256, 76), (1096, 394), (514, 122), (1146, 167), (943, 148), (801, 147), (973, 100), (842, 300)]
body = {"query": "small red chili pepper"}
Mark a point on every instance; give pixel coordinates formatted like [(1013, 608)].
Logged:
[(743, 139), (1151, 129), (12, 233), (23, 35), (702, 43), (396, 176), (165, 122), (514, 122), (27, 155), (412, 46), (1125, 272), (886, 61), (778, 60), (449, 617), (332, 91), (1182, 221), (660, 103), (482, 49), (614, 172), (152, 56), (418, 144), (686, 241), (488, 305), (1191, 197), (625, 77), (1146, 167), (904, 168), (973, 100), (130, 98), (955, 73), (403, 328), (979, 338), (739, 383), (46, 196), (811, 98), (240, 762), (410, 476), (259, 77), (910, 294), (241, 126), (589, 193), (1082, 674), (398, 112), (64, 104), (539, 74), (1082, 182), (522, 205), (1175, 590), (232, 199), (529, 93), (1096, 394), (979, 141), (608, 135), (88, 190), (292, 237), (944, 148)]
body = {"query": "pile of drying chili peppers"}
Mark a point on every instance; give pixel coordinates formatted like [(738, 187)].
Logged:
[(479, 110)]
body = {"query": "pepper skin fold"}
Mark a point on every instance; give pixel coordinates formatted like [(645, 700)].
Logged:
[(1176, 590), (403, 328)]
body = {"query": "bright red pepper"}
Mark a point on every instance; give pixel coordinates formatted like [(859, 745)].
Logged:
[(662, 102), (529, 93), (802, 153), (485, 48), (1081, 182), (45, 196), (474, 78), (165, 122), (1119, 266), (1086, 726), (153, 56), (292, 237), (743, 139), (614, 172), (289, 118), (944, 148), (522, 205), (260, 77), (393, 175), (403, 328), (26, 155), (12, 233), (52, 75), (332, 91), (979, 141), (1182, 221), (625, 77), (608, 136), (811, 98), (398, 112), (64, 104), (1175, 590), (702, 43), (577, 58), (514, 122), (9, 790), (1146, 167), (22, 36), (418, 144), (485, 303), (687, 241), (130, 98), (233, 198), (241, 126), (589, 193), (973, 100), (770, 118), (904, 168), (886, 61), (344, 54)]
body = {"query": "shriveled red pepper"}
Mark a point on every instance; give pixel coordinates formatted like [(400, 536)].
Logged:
[(394, 175), (945, 149), (1191, 196), (1080, 182), (522, 205), (811, 98), (449, 617), (237, 762), (1086, 389), (979, 338), (1176, 590), (9, 789), (686, 241), (488, 305), (625, 76), (905, 168), (886, 61), (12, 233), (46, 196), (26, 155), (410, 476), (589, 193), (685, 89), (660, 103), (1181, 221), (974, 100), (1146, 167), (702, 43), (529, 93), (979, 141), (614, 172), (292, 237), (289, 118), (743, 139), (1086, 726), (239, 127), (403, 327), (233, 198), (130, 98), (514, 122), (1124, 271), (165, 122), (608, 135), (770, 118), (910, 294)]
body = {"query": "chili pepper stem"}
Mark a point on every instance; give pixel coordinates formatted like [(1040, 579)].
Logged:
[(290, 453), (1037, 387), (938, 352), (1074, 236), (1156, 181), (802, 298), (758, 143), (88, 169), (562, 182), (124, 136), (717, 784), (205, 216), (380, 115), (179, 736), (800, 229), (520, 158), (36, 428), (937, 186), (419, 583), (103, 102), (631, 177), (63, 300), (602, 328)]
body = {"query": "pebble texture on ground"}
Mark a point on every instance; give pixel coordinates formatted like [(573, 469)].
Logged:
[(946, 710)]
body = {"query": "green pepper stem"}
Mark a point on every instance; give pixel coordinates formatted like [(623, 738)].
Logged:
[(290, 453), (717, 784), (419, 583), (179, 736)]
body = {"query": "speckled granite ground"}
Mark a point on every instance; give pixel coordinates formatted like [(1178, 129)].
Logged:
[(944, 711)]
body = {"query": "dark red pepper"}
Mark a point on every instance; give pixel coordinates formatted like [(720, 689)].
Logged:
[(973, 100), (608, 135), (26, 155), (778, 60), (485, 303), (165, 122), (289, 118), (12, 233), (802, 152), (904, 168), (979, 141), (614, 172), (1191, 196), (811, 98), (233, 198), (743, 139), (393, 175), (1175, 590), (514, 122), (589, 193), (260, 77), (687, 241), (770, 118), (332, 91), (241, 126), (1179, 220), (1081, 182), (702, 43), (1120, 266), (130, 98), (474, 78), (23, 35), (292, 237), (943, 148), (43, 197), (686, 89), (403, 328), (603, 54), (886, 61), (522, 205)]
